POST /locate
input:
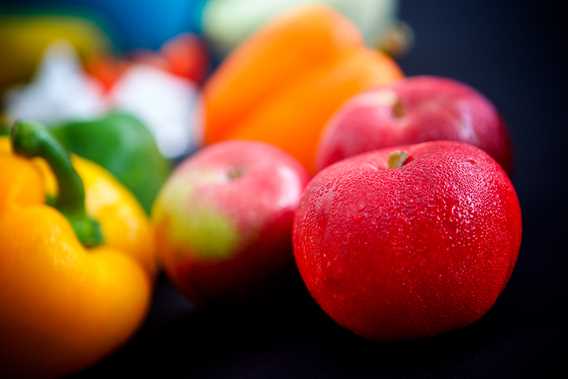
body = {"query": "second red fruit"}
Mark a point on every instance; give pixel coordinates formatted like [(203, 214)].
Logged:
[(224, 218), (415, 110)]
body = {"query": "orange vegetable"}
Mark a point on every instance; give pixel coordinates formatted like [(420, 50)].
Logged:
[(284, 83)]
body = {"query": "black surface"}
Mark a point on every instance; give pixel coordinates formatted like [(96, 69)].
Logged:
[(510, 52)]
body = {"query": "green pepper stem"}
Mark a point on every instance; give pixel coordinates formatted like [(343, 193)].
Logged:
[(33, 140)]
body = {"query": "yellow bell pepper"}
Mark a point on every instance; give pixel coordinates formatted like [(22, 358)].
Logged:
[(75, 273)]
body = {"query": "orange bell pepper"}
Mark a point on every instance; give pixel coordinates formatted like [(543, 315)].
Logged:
[(76, 273), (284, 83)]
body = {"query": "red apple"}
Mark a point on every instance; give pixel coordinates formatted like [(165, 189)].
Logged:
[(411, 111), (224, 219), (409, 241)]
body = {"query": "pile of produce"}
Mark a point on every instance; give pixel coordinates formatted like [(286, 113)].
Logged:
[(391, 193)]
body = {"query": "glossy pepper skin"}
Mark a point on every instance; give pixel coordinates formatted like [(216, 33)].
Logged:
[(76, 275), (284, 83), (124, 146)]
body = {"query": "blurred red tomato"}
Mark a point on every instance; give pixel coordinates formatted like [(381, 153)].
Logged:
[(106, 70), (187, 57)]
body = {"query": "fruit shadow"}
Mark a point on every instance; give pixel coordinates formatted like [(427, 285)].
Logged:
[(282, 330)]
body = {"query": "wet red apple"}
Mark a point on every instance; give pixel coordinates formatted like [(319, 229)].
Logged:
[(414, 110), (224, 219), (409, 241)]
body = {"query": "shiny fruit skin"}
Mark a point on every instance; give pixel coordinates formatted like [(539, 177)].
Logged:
[(412, 251), (414, 110), (224, 219)]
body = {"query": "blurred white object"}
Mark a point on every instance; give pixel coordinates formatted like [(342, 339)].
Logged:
[(59, 91), (374, 18), (169, 106)]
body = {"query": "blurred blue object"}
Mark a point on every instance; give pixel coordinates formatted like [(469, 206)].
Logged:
[(131, 24)]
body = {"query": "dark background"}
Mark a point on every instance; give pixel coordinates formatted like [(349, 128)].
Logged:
[(510, 51)]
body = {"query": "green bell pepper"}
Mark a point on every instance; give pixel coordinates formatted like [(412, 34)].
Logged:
[(123, 145)]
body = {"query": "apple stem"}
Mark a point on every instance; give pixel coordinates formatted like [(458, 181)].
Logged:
[(234, 173), (397, 159), (397, 109)]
